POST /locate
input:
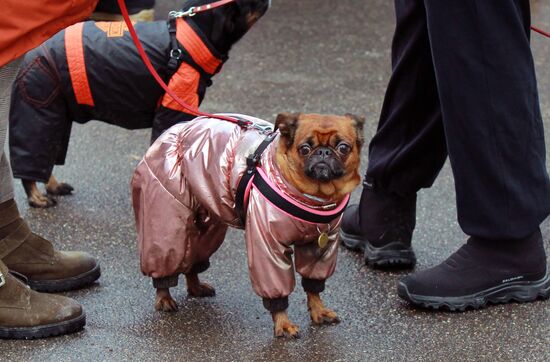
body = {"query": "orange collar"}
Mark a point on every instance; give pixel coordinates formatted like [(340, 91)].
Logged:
[(197, 49)]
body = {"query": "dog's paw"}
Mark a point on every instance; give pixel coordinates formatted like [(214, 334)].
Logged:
[(287, 330), (42, 201), (323, 316), (283, 327), (201, 290), (60, 189), (166, 304)]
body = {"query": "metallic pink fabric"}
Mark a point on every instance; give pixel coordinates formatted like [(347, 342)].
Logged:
[(183, 195)]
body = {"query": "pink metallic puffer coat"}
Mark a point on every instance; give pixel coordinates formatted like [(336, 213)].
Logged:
[(183, 193)]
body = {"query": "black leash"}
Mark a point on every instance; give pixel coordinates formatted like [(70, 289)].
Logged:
[(251, 165)]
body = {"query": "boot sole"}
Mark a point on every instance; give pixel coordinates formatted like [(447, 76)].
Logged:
[(520, 292), (64, 285), (49, 330), (392, 255)]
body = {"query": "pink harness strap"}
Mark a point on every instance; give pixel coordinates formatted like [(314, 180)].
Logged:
[(288, 205)]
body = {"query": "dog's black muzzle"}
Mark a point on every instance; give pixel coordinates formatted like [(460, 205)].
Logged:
[(323, 165)]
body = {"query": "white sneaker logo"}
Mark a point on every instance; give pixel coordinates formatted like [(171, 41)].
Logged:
[(512, 279)]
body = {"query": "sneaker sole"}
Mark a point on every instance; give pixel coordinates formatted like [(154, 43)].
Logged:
[(49, 330), (520, 292), (393, 255), (67, 284), (352, 242)]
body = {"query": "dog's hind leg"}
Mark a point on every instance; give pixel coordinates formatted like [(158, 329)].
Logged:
[(319, 314), (40, 124), (210, 236), (197, 289), (35, 197), (53, 187)]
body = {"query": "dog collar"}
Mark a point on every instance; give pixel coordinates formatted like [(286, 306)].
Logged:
[(188, 68), (255, 176), (202, 53)]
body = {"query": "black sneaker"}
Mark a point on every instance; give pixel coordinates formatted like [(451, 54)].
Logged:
[(381, 227), (482, 272)]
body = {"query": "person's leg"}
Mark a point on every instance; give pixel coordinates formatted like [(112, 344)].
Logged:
[(20, 249), (7, 74), (407, 152), (493, 124), (23, 312), (495, 139)]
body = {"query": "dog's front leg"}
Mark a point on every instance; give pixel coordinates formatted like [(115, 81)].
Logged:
[(319, 314), (164, 301), (283, 327)]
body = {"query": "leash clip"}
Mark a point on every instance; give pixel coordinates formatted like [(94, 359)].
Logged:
[(2, 279), (181, 14), (267, 129)]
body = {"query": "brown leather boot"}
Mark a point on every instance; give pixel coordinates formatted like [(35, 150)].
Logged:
[(26, 314), (46, 269)]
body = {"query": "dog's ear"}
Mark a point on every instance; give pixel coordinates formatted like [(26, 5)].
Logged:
[(359, 123), (287, 123)]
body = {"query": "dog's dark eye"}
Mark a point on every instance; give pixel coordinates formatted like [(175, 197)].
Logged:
[(343, 148), (304, 150)]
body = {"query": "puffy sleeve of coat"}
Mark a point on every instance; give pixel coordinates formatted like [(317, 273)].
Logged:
[(271, 240)]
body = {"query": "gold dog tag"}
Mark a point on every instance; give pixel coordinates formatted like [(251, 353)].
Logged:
[(322, 241)]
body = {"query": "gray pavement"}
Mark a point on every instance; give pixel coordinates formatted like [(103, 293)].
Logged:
[(315, 56)]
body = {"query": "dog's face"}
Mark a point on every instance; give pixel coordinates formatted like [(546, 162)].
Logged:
[(225, 25), (319, 154)]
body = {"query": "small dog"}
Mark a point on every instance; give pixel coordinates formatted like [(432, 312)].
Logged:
[(92, 71), (195, 181)]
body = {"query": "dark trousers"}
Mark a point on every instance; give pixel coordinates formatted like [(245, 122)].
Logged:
[(464, 85)]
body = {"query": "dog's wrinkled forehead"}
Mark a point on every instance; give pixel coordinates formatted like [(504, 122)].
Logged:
[(296, 127)]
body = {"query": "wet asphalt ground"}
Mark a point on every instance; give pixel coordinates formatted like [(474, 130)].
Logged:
[(313, 56)]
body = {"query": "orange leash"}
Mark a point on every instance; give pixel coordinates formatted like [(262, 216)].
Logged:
[(540, 31)]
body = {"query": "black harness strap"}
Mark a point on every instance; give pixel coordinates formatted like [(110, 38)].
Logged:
[(251, 163), (175, 51), (280, 202)]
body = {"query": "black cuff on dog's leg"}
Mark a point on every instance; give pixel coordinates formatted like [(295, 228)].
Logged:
[(276, 304), (199, 267), (313, 285), (166, 282)]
